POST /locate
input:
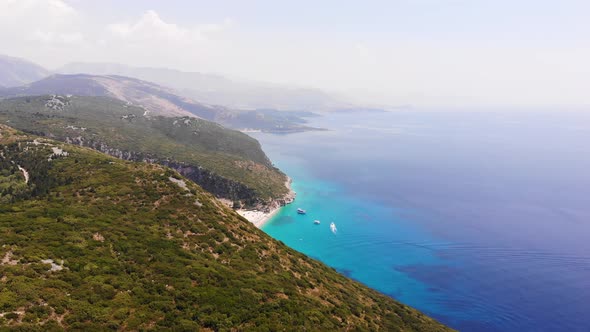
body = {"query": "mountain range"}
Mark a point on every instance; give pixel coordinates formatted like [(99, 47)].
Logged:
[(219, 90), (154, 98), (161, 100), (211, 89)]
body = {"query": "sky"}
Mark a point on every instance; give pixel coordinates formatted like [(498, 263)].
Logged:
[(420, 52)]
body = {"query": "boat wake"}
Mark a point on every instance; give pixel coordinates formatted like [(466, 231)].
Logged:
[(333, 228)]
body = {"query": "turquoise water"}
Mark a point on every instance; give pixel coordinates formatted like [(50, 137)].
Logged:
[(363, 229), (481, 220)]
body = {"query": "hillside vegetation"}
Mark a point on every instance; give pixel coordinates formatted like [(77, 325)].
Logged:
[(94, 243), (160, 100), (225, 162)]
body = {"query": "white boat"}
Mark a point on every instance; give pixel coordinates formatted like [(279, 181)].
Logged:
[(317, 222), (333, 228), (301, 211)]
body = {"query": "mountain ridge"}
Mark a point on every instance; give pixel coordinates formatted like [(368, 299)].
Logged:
[(218, 89), (160, 100), (126, 89), (16, 71)]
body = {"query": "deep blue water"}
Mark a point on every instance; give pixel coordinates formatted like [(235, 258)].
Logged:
[(479, 219)]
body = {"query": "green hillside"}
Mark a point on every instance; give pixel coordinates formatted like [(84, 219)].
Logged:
[(225, 162), (160, 100), (95, 243)]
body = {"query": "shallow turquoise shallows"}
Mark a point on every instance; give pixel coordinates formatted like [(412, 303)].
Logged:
[(480, 219)]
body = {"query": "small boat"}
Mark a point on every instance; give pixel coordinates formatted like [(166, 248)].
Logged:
[(317, 222), (333, 227), (301, 211)]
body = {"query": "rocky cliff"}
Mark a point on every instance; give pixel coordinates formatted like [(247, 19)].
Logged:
[(218, 185)]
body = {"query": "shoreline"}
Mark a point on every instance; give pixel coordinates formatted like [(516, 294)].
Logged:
[(259, 217)]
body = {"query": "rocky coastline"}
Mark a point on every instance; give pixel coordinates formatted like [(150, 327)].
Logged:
[(262, 213)]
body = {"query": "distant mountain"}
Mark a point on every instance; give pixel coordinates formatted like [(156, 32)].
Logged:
[(93, 243), (218, 90), (15, 71), (227, 163), (158, 100), (154, 98)]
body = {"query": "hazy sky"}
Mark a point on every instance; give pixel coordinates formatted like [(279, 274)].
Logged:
[(422, 52)]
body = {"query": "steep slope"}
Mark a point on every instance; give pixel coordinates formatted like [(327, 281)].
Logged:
[(219, 90), (97, 243), (15, 71), (156, 99), (225, 162)]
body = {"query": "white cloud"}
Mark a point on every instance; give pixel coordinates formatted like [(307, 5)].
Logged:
[(45, 21), (32, 16), (150, 27), (52, 33), (53, 10), (153, 40), (50, 37), (394, 70)]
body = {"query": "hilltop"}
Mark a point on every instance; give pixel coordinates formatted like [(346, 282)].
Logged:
[(154, 98), (225, 162), (16, 71), (90, 242), (160, 100)]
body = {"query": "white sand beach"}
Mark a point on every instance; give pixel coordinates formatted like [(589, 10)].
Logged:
[(258, 218)]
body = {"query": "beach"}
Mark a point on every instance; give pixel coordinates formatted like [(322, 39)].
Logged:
[(257, 217)]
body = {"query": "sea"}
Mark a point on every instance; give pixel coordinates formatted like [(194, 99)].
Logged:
[(480, 219)]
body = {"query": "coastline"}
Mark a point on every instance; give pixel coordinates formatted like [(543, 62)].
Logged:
[(257, 217), (261, 217)]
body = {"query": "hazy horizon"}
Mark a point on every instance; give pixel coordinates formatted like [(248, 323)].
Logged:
[(423, 52)]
